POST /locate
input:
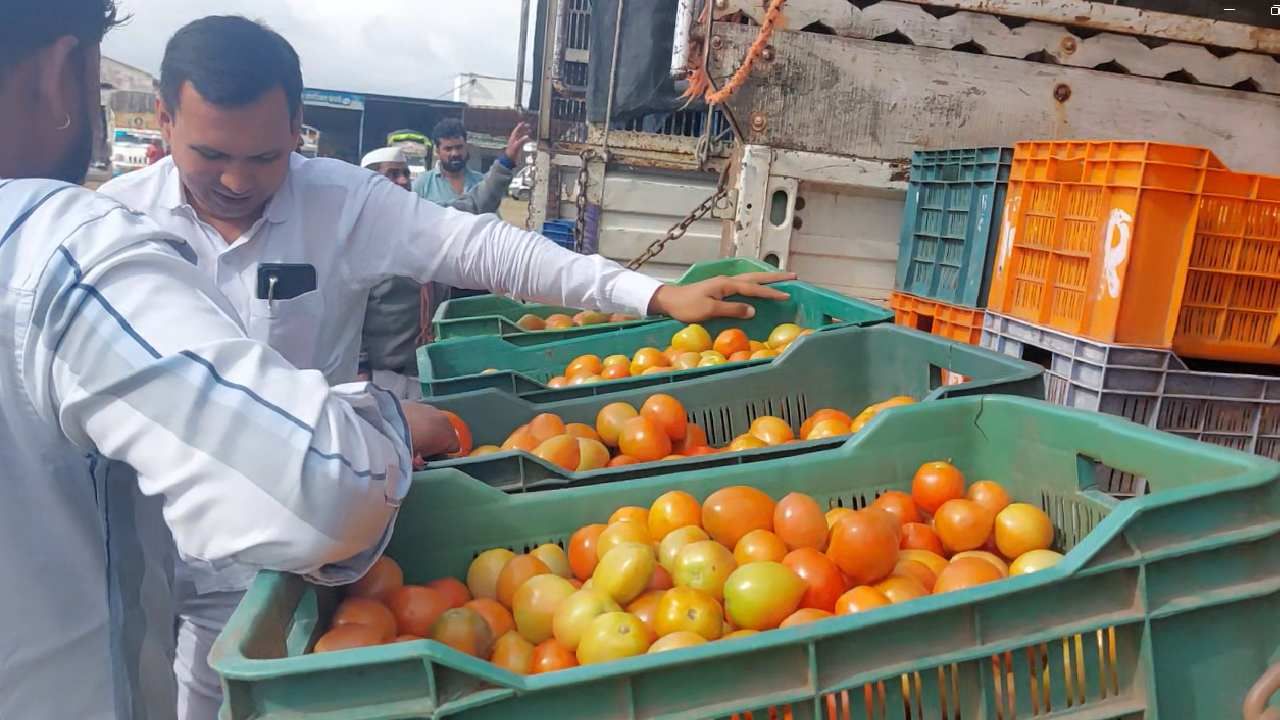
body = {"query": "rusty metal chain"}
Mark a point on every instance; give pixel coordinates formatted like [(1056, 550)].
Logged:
[(580, 198), (678, 230)]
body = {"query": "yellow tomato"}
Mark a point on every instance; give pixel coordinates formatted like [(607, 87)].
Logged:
[(684, 609), (612, 636), (576, 613), (625, 572), (704, 565)]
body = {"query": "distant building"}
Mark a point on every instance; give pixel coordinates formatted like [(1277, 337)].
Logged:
[(116, 75), (487, 91)]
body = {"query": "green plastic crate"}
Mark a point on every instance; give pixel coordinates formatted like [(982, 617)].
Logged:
[(455, 366), (1164, 607), (848, 369), (496, 315)]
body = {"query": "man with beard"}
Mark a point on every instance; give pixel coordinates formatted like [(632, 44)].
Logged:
[(135, 413), (296, 245), (452, 181)]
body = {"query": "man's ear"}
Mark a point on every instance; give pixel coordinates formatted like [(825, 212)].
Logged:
[(165, 115), (58, 82)]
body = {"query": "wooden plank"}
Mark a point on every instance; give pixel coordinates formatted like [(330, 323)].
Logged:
[(1054, 42), (1073, 13), (869, 99), (888, 179)]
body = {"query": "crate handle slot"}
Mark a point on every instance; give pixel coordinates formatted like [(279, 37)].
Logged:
[(1255, 702)]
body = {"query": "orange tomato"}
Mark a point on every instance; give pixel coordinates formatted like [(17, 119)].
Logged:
[(648, 357), (1021, 528), (799, 521), (760, 595), (694, 437), (584, 380), (1000, 564), (700, 451), (546, 426), (630, 513), (803, 616), (740, 356), (860, 599), (617, 360), (592, 454), (731, 341), (465, 631), (535, 605), (499, 618), (581, 429), (613, 636), (512, 652), (746, 441), (406, 637), (962, 525), (558, 381), (901, 588), (558, 321), (828, 428), (965, 573), (621, 460), (345, 637), (864, 544), (686, 361), (675, 641), (645, 607), (919, 536), (644, 440), (661, 579), (514, 574), (898, 504), (821, 415), (621, 533), (934, 484), (367, 611), (610, 419), (671, 511), (990, 495), (521, 439), (582, 550), (730, 513), (759, 546), (584, 365), (550, 656), (917, 570), (823, 582), (561, 450), (772, 430), (931, 560), (416, 609), (689, 610), (615, 372), (482, 575), (463, 432), (453, 590), (383, 578), (667, 413)]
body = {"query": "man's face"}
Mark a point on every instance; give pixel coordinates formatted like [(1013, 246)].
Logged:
[(452, 153), (231, 160), (396, 172)]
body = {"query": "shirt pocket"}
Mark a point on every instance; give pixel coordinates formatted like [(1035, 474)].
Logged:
[(291, 327)]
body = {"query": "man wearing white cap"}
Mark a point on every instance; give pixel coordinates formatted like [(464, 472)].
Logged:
[(389, 162)]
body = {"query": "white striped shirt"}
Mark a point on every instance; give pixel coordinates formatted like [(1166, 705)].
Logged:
[(129, 392)]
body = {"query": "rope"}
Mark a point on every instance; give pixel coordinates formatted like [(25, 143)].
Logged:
[(771, 18)]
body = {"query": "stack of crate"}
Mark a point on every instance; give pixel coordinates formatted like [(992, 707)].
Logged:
[(1146, 278), (948, 239)]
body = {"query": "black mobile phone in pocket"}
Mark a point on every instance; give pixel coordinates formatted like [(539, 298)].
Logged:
[(285, 281)]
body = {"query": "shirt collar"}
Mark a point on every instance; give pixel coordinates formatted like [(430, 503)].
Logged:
[(171, 195)]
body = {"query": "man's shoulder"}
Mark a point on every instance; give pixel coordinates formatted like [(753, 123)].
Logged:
[(327, 171), (142, 188)]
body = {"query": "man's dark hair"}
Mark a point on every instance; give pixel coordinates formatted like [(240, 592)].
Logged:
[(31, 25), (448, 128), (231, 61)]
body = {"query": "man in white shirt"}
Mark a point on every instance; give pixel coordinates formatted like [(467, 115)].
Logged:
[(133, 405), (296, 245)]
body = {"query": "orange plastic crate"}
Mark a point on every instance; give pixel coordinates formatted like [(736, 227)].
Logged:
[(1142, 244), (954, 322)]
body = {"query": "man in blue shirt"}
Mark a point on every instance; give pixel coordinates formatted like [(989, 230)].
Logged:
[(451, 178)]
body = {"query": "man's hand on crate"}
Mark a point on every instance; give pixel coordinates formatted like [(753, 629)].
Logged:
[(430, 431), (704, 300)]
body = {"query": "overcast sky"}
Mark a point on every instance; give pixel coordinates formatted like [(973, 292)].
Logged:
[(397, 47)]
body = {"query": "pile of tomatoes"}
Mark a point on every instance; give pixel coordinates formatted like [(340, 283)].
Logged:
[(682, 572), (560, 321), (658, 430), (690, 348)]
